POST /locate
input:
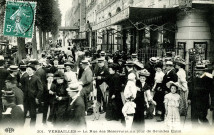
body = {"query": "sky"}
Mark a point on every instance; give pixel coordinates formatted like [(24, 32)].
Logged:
[(64, 5)]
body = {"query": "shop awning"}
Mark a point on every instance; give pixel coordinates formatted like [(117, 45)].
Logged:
[(136, 14), (68, 28)]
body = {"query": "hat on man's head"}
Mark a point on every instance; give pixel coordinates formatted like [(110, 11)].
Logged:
[(11, 79), (169, 63), (102, 53), (134, 55), (13, 68), (6, 94), (153, 60), (74, 87), (100, 59), (59, 75), (85, 61), (32, 66), (144, 72)]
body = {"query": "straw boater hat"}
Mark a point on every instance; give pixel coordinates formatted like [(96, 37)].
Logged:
[(102, 53), (74, 87), (7, 94), (13, 68), (153, 60), (100, 59), (144, 72), (129, 63), (134, 55), (50, 75), (169, 63)]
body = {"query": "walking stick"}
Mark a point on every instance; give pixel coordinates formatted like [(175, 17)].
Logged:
[(185, 117)]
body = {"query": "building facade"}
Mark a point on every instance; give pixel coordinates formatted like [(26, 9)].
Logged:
[(152, 27)]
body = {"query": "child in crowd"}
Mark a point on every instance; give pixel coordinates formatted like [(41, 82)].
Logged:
[(172, 103), (130, 92), (128, 111)]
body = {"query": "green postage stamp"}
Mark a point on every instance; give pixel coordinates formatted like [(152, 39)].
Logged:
[(19, 19)]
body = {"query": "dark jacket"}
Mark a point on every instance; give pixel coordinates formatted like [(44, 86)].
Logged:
[(171, 76), (16, 118), (103, 72), (48, 97), (33, 87), (22, 82), (19, 96), (76, 113), (42, 75)]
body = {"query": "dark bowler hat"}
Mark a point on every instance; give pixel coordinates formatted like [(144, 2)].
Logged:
[(11, 79), (59, 75), (32, 66), (13, 68), (74, 87), (100, 59), (22, 65)]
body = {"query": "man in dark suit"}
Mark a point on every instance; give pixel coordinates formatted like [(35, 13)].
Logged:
[(86, 81), (76, 109), (33, 93), (14, 115), (49, 98), (169, 76), (3, 75), (22, 74), (101, 74)]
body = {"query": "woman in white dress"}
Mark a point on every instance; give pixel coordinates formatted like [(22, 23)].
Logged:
[(182, 82), (70, 76)]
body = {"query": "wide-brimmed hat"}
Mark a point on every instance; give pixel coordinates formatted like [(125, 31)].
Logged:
[(7, 94), (13, 68), (180, 61), (75, 87), (168, 85), (153, 60), (144, 72), (138, 64), (32, 66), (69, 64)]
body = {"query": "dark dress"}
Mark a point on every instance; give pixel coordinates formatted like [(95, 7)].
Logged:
[(60, 106), (138, 122), (114, 106)]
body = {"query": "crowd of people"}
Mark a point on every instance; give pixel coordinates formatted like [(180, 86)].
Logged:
[(65, 87)]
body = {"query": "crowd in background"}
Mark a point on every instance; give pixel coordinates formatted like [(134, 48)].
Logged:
[(67, 86)]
